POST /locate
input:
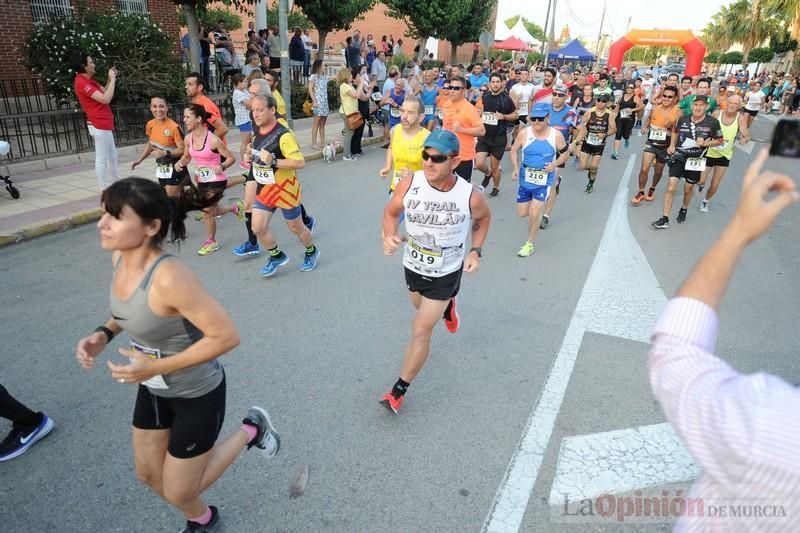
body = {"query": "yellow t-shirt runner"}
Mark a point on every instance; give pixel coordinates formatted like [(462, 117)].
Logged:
[(279, 188), (406, 152)]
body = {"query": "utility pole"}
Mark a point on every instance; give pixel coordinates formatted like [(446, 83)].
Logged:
[(546, 22), (600, 34), (286, 88), (552, 38), (260, 14)]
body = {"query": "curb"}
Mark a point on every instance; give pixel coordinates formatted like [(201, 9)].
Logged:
[(80, 218)]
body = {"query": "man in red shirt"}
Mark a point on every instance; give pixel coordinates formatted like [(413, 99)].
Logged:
[(195, 90)]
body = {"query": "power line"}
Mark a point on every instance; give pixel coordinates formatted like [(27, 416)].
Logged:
[(577, 20)]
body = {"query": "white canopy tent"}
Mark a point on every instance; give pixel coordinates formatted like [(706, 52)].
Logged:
[(503, 32)]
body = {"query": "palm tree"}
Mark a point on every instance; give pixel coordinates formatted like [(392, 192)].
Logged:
[(786, 13)]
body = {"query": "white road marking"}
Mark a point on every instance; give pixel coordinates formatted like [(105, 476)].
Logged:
[(606, 305), (620, 461)]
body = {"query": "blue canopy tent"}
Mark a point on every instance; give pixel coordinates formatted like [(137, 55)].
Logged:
[(573, 51)]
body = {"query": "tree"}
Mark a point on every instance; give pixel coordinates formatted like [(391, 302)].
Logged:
[(534, 29), (191, 10), (731, 58), (463, 21), (210, 17), (295, 18), (712, 57), (330, 15), (422, 18), (788, 13), (760, 55), (781, 42)]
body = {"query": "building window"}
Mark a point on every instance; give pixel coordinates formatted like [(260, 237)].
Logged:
[(132, 6), (46, 10)]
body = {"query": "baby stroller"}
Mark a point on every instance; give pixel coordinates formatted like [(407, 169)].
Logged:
[(13, 191)]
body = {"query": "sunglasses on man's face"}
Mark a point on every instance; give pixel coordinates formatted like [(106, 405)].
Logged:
[(538, 119), (438, 159), (560, 95), (452, 87)]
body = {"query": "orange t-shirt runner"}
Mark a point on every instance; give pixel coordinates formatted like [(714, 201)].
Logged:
[(468, 117)]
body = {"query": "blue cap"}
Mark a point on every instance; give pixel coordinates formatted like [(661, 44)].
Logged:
[(540, 110), (443, 140)]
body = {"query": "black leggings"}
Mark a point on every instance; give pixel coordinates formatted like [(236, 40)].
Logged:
[(624, 128), (355, 142), (18, 413)]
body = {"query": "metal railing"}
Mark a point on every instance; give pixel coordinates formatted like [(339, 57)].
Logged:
[(63, 131), (28, 95)]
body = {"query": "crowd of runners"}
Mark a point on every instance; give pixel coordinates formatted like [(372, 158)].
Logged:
[(442, 127)]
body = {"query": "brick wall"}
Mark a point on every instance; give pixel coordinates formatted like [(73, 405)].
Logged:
[(16, 22)]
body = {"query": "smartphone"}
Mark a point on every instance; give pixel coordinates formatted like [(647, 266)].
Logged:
[(786, 139)]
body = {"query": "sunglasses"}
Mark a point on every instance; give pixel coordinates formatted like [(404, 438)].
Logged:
[(537, 119), (452, 87), (561, 95), (437, 159)]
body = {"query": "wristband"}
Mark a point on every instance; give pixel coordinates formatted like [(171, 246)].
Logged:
[(108, 332), (478, 250)]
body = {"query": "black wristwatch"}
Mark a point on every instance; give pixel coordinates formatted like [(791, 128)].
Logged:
[(478, 250), (108, 332)]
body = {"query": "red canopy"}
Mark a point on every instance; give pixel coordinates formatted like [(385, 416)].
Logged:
[(512, 43)]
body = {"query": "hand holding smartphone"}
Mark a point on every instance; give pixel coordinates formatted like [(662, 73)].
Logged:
[(786, 139)]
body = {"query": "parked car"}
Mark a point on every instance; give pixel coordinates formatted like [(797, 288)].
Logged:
[(677, 68)]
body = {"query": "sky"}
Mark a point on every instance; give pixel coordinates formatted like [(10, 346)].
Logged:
[(583, 16)]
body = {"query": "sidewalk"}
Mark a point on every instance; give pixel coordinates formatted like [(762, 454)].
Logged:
[(61, 192)]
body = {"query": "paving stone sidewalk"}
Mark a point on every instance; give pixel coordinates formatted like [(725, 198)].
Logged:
[(62, 192)]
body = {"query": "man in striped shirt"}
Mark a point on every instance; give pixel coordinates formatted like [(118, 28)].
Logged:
[(742, 430)]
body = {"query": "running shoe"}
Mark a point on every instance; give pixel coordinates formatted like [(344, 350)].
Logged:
[(247, 249), (385, 146), (198, 216), (614, 155), (391, 403), (486, 180), (20, 439), (349, 158), (240, 214), (704, 206), (209, 247), (274, 264), (700, 187), (213, 526), (544, 222), (312, 223), (495, 192), (480, 188), (627, 143), (267, 439), (244, 166), (589, 187), (450, 316), (525, 250), (310, 261), (651, 195), (636, 200), (681, 216), (661, 223)]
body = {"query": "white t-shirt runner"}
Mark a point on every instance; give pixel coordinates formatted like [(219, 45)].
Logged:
[(522, 94)]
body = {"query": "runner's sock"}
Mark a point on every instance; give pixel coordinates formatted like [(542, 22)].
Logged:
[(400, 388), (311, 249), (204, 518), (446, 314), (275, 252), (303, 214), (251, 431), (248, 223)]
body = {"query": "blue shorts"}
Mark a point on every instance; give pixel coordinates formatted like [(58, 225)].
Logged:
[(524, 194), (288, 214), (247, 127), (427, 119)]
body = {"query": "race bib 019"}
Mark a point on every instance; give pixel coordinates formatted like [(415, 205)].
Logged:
[(657, 134), (695, 164), (594, 139), (426, 257), (263, 175), (163, 172), (429, 110), (205, 175), (490, 119), (157, 381), (535, 176)]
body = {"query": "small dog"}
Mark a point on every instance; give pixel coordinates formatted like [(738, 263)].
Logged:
[(329, 151)]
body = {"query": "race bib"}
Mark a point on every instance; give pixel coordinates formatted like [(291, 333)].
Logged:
[(427, 257), (440, 113), (264, 175), (625, 113), (395, 112), (523, 108), (163, 172), (205, 174), (429, 110), (490, 119), (657, 134), (695, 164), (594, 139), (535, 176), (156, 382)]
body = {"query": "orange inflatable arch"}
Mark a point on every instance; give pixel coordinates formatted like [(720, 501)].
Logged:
[(695, 50)]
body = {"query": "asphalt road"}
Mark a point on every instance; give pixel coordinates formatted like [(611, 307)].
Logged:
[(319, 349)]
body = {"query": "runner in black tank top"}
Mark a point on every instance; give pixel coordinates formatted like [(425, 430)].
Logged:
[(598, 123), (627, 109)]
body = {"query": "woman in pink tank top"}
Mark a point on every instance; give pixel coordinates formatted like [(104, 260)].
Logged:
[(207, 150)]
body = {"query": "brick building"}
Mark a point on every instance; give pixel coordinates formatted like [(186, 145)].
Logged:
[(19, 16)]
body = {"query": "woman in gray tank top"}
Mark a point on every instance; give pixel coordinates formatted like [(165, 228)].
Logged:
[(176, 333)]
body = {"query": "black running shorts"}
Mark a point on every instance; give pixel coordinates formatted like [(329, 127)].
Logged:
[(442, 288), (495, 146), (464, 169), (717, 161), (660, 152), (194, 423), (593, 149), (677, 170)]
